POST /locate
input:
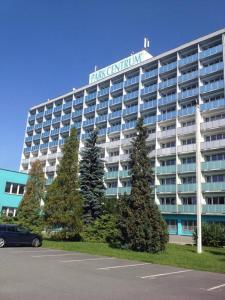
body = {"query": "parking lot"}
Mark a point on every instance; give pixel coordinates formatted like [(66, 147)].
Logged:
[(30, 273)]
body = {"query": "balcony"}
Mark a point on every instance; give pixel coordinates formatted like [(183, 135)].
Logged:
[(66, 117), (112, 159), (101, 119), (31, 118), (48, 111), (90, 97), (167, 83), (38, 126), (191, 209), (36, 137), (188, 76), (56, 120), (187, 209), (102, 131), (47, 123), (78, 101), (188, 60), (102, 105), (149, 74), (89, 109), (131, 96), (27, 150), (123, 190), (35, 148), (53, 144), (131, 81), (213, 145), (39, 115), (167, 99), (130, 110), (166, 151), (86, 136), (50, 169), (62, 141), (116, 101), (213, 209), (186, 168), (213, 124), (168, 67), (103, 92), (67, 105), (76, 125), (54, 132), (210, 87), (213, 165), (116, 87), (89, 122), (186, 130), (212, 105), (150, 120), (111, 191), (186, 148), (124, 174), (77, 113), (166, 133), (57, 108), (149, 89), (167, 116), (65, 129), (111, 175), (211, 69), (148, 105), (188, 93), (166, 188), (186, 111), (113, 129), (44, 146), (166, 208), (28, 138), (211, 51), (213, 186), (161, 170), (115, 115), (186, 188), (124, 157), (129, 125)]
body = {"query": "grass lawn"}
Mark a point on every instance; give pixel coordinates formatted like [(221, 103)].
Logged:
[(212, 259)]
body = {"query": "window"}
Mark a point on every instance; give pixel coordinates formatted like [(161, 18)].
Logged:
[(172, 225), (21, 189), (190, 179), (14, 188), (189, 225), (169, 180), (189, 200), (7, 187), (215, 178), (188, 160), (168, 201), (11, 228), (215, 200)]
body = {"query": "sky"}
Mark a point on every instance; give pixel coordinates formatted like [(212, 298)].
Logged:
[(48, 47)]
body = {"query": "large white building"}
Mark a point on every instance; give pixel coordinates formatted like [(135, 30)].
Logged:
[(163, 90)]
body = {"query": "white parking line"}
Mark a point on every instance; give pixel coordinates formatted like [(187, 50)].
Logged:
[(86, 259), (123, 266), (164, 274), (54, 255), (36, 251), (216, 287)]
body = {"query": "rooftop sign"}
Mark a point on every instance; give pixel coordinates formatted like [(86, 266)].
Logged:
[(121, 65)]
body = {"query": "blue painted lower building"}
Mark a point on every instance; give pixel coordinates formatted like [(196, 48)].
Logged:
[(12, 186)]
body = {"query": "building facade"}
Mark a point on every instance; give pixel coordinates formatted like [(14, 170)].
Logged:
[(12, 186), (163, 90)]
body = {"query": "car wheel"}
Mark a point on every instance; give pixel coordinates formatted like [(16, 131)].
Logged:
[(36, 243), (2, 242)]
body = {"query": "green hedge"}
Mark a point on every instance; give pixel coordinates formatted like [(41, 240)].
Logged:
[(213, 235)]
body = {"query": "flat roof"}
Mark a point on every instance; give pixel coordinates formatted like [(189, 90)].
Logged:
[(152, 59), (12, 171)]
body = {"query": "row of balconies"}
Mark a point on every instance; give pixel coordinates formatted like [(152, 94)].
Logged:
[(192, 209)]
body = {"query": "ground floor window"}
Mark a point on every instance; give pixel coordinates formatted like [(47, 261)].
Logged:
[(172, 225), (9, 211), (188, 225)]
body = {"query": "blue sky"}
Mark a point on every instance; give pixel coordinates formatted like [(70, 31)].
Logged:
[(48, 47)]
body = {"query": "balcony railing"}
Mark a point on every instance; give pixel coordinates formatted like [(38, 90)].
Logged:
[(213, 124), (213, 144), (188, 93), (167, 116), (186, 111), (115, 115), (116, 87), (111, 175), (78, 101), (56, 120), (166, 151), (115, 101), (129, 125), (47, 123), (211, 69), (212, 105), (91, 97), (102, 105), (186, 168), (149, 89), (111, 191), (213, 186), (102, 131), (101, 119), (211, 51), (124, 174), (77, 113), (166, 188), (89, 122), (103, 92), (66, 117), (148, 105), (150, 120), (186, 188), (168, 83), (65, 129), (186, 130), (212, 86), (213, 165), (188, 76), (115, 128), (166, 169), (57, 108), (166, 133), (191, 209), (186, 148), (131, 81), (131, 96), (123, 190), (89, 109), (167, 99), (188, 60), (149, 74), (55, 131), (131, 110), (168, 67)]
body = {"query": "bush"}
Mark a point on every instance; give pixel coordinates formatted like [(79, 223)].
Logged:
[(100, 230), (213, 235)]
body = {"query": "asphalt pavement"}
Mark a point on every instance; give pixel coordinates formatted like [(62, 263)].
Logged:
[(47, 274)]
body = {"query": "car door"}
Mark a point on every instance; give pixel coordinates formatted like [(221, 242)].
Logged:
[(23, 235), (11, 235)]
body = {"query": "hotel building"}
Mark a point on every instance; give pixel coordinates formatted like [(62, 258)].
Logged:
[(164, 90)]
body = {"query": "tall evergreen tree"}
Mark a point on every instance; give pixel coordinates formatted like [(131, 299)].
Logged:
[(140, 224), (63, 203), (29, 212), (91, 179)]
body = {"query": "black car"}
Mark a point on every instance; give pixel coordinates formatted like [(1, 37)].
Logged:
[(11, 234)]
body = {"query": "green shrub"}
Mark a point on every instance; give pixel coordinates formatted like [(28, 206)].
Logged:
[(100, 230), (213, 235)]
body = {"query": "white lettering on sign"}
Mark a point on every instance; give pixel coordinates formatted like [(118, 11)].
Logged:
[(121, 65)]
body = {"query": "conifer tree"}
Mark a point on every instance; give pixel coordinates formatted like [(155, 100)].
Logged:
[(63, 203), (91, 179), (140, 224), (29, 212)]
